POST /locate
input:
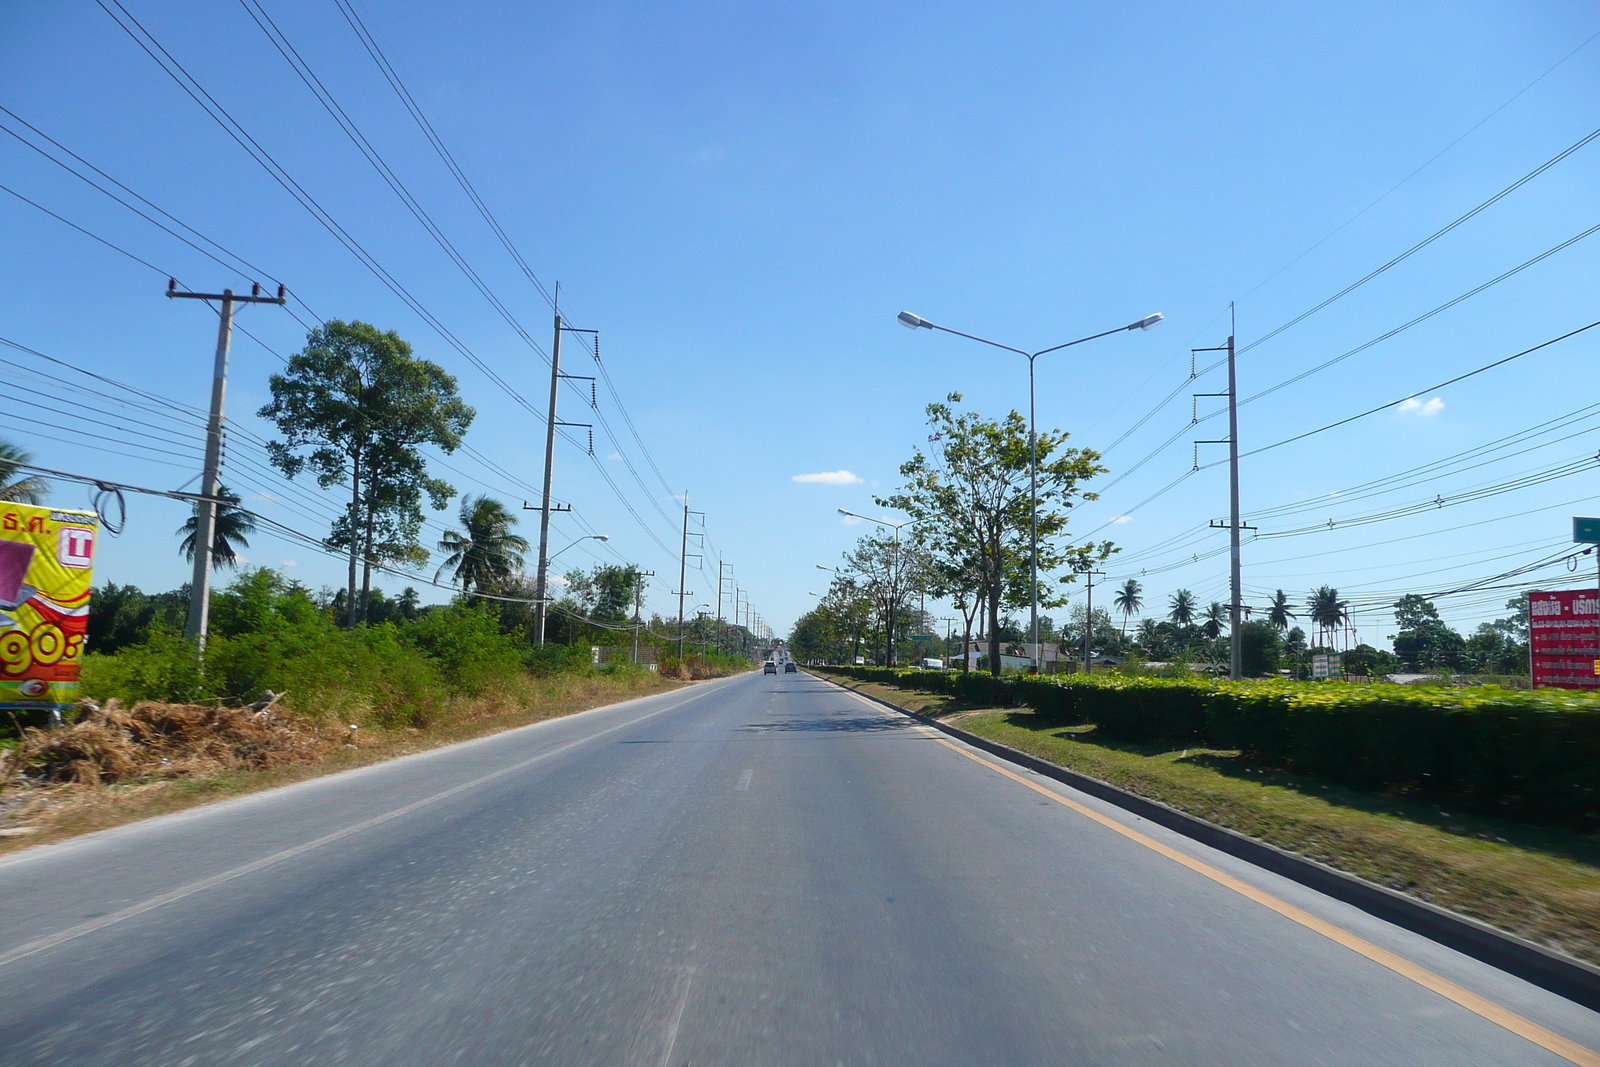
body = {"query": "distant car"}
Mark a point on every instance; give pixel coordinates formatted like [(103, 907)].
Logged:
[(769, 667), (790, 668), (861, 661), (933, 663)]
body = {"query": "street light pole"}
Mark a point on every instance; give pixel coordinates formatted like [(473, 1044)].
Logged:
[(915, 322)]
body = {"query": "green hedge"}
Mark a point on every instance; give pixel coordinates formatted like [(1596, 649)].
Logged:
[(1527, 755)]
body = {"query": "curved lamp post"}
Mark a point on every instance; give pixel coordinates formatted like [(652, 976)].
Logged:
[(914, 322)]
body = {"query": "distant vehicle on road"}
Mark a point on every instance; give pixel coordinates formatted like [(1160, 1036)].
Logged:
[(769, 667), (933, 663), (861, 661), (790, 668)]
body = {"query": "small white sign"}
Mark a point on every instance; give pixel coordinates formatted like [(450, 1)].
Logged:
[(75, 548)]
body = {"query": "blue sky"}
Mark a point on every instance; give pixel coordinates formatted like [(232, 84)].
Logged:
[(740, 198)]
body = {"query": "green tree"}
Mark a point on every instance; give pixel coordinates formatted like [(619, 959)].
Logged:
[(17, 487), (1278, 614), (1425, 642), (1128, 601), (353, 407), (488, 553), (606, 592), (1215, 618), (1182, 604), (969, 496), (228, 534), (1260, 648), (1328, 612)]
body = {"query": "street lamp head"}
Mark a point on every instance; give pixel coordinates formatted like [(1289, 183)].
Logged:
[(911, 322), (602, 537), (1148, 321)]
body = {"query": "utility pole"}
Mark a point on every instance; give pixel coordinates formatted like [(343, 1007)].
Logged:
[(1088, 621), (638, 610), (545, 507), (1233, 525), (683, 568), (198, 621), (720, 580)]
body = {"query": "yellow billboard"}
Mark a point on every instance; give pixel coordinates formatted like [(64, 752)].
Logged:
[(46, 563)]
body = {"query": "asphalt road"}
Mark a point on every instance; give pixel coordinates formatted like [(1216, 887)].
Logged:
[(753, 871)]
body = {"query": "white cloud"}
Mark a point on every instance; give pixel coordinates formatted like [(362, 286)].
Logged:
[(615, 455), (1426, 409), (850, 520), (290, 563), (1123, 518), (830, 478), (264, 496)]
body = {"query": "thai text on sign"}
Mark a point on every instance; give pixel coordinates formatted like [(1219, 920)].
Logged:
[(1564, 638), (46, 564)]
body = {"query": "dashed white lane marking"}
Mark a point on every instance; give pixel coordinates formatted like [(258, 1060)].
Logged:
[(744, 779)]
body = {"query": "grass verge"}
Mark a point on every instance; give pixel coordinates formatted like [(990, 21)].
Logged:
[(53, 811), (1540, 883)]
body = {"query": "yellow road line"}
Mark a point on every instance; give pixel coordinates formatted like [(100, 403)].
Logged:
[(1509, 1020)]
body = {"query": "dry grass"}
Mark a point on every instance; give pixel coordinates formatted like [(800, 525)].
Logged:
[(1538, 882), (118, 765)]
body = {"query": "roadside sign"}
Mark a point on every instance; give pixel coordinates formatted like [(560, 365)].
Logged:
[(922, 637), (1326, 666), (1586, 531), (46, 565), (1563, 637)]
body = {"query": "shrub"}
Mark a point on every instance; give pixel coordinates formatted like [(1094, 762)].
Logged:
[(1527, 755)]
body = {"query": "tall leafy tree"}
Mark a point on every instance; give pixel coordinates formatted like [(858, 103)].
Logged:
[(16, 486), (1183, 607), (1214, 619), (353, 407), (229, 533), (488, 552), (1128, 600), (888, 572), (1278, 613), (1328, 611), (969, 495)]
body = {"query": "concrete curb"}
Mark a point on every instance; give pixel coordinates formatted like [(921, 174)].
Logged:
[(1560, 974)]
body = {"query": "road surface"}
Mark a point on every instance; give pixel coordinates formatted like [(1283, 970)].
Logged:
[(758, 870)]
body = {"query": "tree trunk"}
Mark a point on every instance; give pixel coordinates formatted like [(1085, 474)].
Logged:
[(355, 513), (366, 564)]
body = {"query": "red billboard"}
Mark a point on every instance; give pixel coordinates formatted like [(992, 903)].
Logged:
[(1564, 638)]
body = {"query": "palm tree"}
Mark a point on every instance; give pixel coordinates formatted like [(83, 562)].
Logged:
[(1327, 610), (488, 552), (1128, 601), (229, 530), (1182, 607), (1279, 614), (1214, 620), (15, 486)]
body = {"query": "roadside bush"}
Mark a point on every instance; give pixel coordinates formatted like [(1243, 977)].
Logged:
[(1527, 755)]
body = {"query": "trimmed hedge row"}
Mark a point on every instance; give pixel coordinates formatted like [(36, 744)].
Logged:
[(1528, 755)]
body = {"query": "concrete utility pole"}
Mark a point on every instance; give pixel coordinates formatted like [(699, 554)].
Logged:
[(683, 568), (638, 610), (541, 584), (1234, 525), (1088, 622), (720, 580), (198, 621), (1235, 637)]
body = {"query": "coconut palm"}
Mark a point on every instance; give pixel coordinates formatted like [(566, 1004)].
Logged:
[(17, 487), (1214, 620), (1128, 601), (228, 531), (488, 552), (1279, 614), (1182, 611), (1327, 610)]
